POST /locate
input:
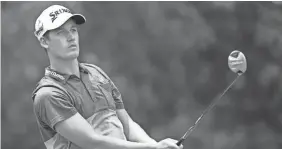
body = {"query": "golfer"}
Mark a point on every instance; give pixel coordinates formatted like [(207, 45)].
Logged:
[(77, 106)]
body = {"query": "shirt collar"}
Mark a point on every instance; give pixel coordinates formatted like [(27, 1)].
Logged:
[(60, 76), (83, 69)]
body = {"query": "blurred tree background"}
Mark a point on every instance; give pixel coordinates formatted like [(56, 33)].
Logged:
[(168, 59)]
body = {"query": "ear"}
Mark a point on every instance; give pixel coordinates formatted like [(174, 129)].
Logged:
[(44, 43)]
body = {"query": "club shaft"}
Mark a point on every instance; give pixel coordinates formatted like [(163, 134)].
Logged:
[(189, 131)]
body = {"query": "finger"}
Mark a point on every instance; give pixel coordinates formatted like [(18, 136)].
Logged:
[(180, 146), (172, 144), (179, 142), (172, 140)]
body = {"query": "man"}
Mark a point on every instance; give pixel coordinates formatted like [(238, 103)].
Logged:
[(76, 104)]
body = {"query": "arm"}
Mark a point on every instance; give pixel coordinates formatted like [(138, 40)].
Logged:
[(54, 109), (78, 130), (132, 130)]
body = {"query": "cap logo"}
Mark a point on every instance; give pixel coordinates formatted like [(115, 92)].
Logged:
[(55, 14)]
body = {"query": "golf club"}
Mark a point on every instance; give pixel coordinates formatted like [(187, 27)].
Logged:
[(238, 64)]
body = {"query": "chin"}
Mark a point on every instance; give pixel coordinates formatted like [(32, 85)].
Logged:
[(72, 55)]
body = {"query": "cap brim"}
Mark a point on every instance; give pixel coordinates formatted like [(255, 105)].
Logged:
[(79, 19)]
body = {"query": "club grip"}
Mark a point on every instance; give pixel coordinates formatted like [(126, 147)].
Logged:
[(180, 142)]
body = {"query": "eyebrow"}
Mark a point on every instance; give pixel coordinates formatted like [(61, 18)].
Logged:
[(73, 26), (59, 28)]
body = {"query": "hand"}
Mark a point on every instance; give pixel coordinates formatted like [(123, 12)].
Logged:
[(168, 144)]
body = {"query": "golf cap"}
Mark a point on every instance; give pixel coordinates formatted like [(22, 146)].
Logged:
[(53, 17)]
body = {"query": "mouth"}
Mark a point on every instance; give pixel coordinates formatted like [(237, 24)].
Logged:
[(72, 46)]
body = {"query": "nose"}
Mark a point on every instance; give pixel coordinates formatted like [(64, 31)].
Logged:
[(70, 37)]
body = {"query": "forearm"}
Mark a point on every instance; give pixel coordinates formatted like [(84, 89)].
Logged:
[(105, 142), (77, 130), (132, 130), (137, 134)]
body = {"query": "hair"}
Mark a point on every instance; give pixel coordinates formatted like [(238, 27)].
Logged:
[(46, 35)]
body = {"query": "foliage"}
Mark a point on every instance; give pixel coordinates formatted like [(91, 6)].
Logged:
[(168, 59)]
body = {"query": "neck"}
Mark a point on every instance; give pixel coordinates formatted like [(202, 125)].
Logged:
[(65, 67)]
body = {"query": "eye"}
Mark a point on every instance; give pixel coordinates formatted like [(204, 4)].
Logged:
[(74, 30)]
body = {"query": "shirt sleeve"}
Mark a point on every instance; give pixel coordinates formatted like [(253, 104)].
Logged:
[(117, 96), (51, 106)]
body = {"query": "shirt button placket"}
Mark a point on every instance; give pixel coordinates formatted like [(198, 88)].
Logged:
[(87, 87)]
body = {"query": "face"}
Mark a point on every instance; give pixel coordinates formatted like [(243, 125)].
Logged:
[(63, 43)]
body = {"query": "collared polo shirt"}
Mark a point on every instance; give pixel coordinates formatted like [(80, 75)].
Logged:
[(93, 95)]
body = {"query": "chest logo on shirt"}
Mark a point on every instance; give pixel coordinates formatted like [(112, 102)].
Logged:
[(54, 74)]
